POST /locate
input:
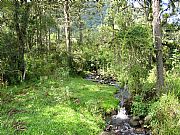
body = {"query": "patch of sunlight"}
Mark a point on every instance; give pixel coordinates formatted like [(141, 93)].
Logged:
[(92, 87), (29, 106), (59, 109), (61, 113)]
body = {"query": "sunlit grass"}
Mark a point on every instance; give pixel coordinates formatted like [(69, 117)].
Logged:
[(55, 107)]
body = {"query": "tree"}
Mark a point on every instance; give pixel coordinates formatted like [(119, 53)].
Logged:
[(21, 25), (158, 42), (67, 32)]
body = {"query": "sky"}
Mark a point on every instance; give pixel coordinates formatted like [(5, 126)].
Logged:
[(164, 6)]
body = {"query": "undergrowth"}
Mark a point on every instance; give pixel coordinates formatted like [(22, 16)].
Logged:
[(165, 114)]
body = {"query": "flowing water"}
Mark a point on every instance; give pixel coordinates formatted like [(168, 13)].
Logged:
[(120, 123)]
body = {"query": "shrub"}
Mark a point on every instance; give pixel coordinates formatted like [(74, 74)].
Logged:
[(165, 115), (173, 84), (139, 108)]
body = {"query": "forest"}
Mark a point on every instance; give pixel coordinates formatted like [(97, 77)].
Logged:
[(89, 67)]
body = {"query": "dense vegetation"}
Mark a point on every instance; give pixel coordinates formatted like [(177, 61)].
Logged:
[(46, 47)]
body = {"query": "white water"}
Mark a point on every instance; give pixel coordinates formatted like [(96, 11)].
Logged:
[(122, 114)]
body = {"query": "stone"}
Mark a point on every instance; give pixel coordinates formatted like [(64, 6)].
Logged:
[(113, 112), (141, 122), (136, 118), (147, 119), (108, 128), (140, 131), (134, 122), (107, 133), (117, 132)]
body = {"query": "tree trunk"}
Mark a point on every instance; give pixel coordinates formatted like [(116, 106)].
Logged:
[(80, 28), (49, 37), (67, 32), (158, 42), (21, 26), (37, 28), (40, 27), (58, 35)]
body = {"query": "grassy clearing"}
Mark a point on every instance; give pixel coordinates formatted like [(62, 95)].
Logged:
[(55, 107)]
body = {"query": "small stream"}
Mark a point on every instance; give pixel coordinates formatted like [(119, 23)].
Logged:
[(119, 122)]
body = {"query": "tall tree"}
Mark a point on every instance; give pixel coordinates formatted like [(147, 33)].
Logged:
[(67, 31), (158, 42), (21, 16)]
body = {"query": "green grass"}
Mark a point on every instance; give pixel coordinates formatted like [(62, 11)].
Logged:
[(55, 107)]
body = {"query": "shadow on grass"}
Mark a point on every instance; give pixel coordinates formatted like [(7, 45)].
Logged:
[(57, 107)]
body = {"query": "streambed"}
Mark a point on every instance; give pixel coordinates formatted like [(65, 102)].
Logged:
[(120, 122)]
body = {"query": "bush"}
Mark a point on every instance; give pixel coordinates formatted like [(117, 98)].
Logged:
[(139, 108), (173, 84), (136, 44), (165, 115)]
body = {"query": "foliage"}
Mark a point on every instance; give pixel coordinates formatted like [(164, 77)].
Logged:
[(176, 61), (139, 107), (135, 54), (44, 65), (9, 58), (173, 84), (165, 115)]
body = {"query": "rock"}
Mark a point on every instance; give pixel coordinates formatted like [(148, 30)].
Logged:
[(147, 119), (140, 131), (107, 133), (148, 132), (127, 126), (117, 132), (108, 128), (134, 122), (114, 112), (141, 122), (115, 121), (136, 118)]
